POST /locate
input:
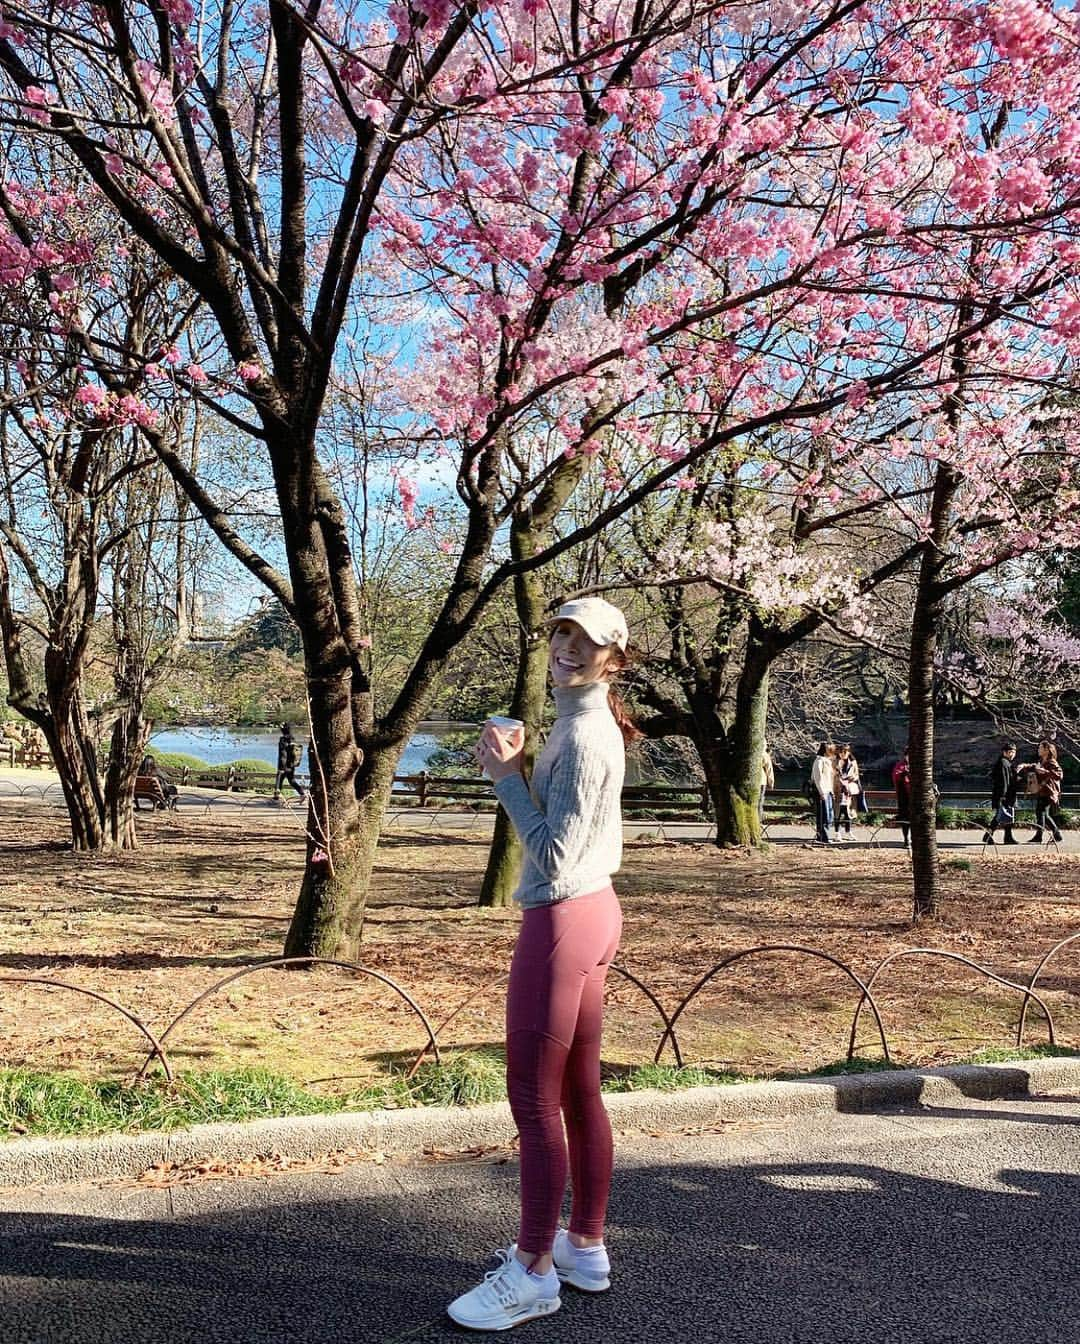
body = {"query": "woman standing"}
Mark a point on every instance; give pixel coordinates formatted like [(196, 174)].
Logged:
[(901, 778), (1048, 776), (768, 780), (823, 782), (848, 789), (570, 827)]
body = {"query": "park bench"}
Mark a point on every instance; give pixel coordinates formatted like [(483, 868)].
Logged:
[(149, 789)]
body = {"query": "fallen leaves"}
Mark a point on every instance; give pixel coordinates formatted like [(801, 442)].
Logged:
[(164, 1174), (141, 932), (495, 1153)]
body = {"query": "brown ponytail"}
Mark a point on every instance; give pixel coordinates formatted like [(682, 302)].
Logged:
[(631, 733)]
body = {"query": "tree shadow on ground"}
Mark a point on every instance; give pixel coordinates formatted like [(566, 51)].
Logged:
[(122, 961), (417, 840), (792, 1253)]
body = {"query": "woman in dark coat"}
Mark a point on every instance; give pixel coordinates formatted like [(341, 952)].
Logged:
[(901, 778)]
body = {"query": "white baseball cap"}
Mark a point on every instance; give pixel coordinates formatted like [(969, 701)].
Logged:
[(603, 623)]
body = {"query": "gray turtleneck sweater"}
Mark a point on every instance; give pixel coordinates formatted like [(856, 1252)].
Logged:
[(570, 822)]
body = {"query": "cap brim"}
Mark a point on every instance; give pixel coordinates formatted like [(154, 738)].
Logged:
[(594, 633)]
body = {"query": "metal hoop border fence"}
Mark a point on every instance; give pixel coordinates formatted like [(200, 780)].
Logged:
[(158, 1043)]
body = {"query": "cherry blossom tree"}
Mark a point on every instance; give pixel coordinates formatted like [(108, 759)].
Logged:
[(87, 507), (561, 219)]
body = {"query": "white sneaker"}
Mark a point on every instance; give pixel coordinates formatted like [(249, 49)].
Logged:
[(508, 1296), (584, 1267)]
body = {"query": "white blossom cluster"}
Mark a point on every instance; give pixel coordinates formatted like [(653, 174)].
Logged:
[(778, 578)]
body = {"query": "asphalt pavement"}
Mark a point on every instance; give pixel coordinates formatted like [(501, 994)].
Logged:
[(955, 1223)]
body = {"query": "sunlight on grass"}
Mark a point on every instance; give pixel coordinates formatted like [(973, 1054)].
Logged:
[(59, 1105)]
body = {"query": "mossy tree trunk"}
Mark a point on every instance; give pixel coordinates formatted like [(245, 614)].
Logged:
[(530, 532), (526, 704), (746, 748)]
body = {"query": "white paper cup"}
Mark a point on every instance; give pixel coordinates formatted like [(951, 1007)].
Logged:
[(504, 724)]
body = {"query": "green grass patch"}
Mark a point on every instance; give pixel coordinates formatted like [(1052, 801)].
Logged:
[(667, 1078), (841, 1066), (961, 865), (63, 1105), (1004, 1054), (59, 1105), (178, 760), (251, 765), (466, 1079)]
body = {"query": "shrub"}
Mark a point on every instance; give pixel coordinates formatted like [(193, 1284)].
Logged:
[(453, 758), (251, 765), (178, 760)]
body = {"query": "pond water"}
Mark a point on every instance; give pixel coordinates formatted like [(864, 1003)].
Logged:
[(218, 746)]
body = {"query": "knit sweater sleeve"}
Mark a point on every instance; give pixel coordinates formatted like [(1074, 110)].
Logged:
[(558, 839)]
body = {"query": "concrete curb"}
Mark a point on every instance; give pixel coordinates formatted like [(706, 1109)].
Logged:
[(409, 1132)]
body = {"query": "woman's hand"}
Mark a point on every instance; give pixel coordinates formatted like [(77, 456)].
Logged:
[(499, 754)]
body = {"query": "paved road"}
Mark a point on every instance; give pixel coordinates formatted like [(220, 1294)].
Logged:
[(920, 1228)]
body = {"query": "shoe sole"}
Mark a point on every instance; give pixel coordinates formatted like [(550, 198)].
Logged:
[(547, 1307), (583, 1282)]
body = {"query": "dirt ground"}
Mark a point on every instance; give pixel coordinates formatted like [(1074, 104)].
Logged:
[(204, 897)]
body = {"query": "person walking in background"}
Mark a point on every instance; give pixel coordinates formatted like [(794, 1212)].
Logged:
[(570, 827), (1044, 783), (768, 780), (1003, 785), (901, 778), (289, 755), (847, 790), (823, 779)]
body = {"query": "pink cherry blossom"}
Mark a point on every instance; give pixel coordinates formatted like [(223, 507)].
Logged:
[(90, 394)]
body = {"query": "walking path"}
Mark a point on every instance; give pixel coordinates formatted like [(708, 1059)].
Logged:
[(42, 786), (956, 1223)]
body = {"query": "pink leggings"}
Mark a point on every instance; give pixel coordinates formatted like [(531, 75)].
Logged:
[(554, 1012)]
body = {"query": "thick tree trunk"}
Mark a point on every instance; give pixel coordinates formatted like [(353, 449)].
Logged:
[(924, 636), (710, 739), (61, 712), (527, 704), (130, 734), (67, 731), (734, 775), (343, 823)]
